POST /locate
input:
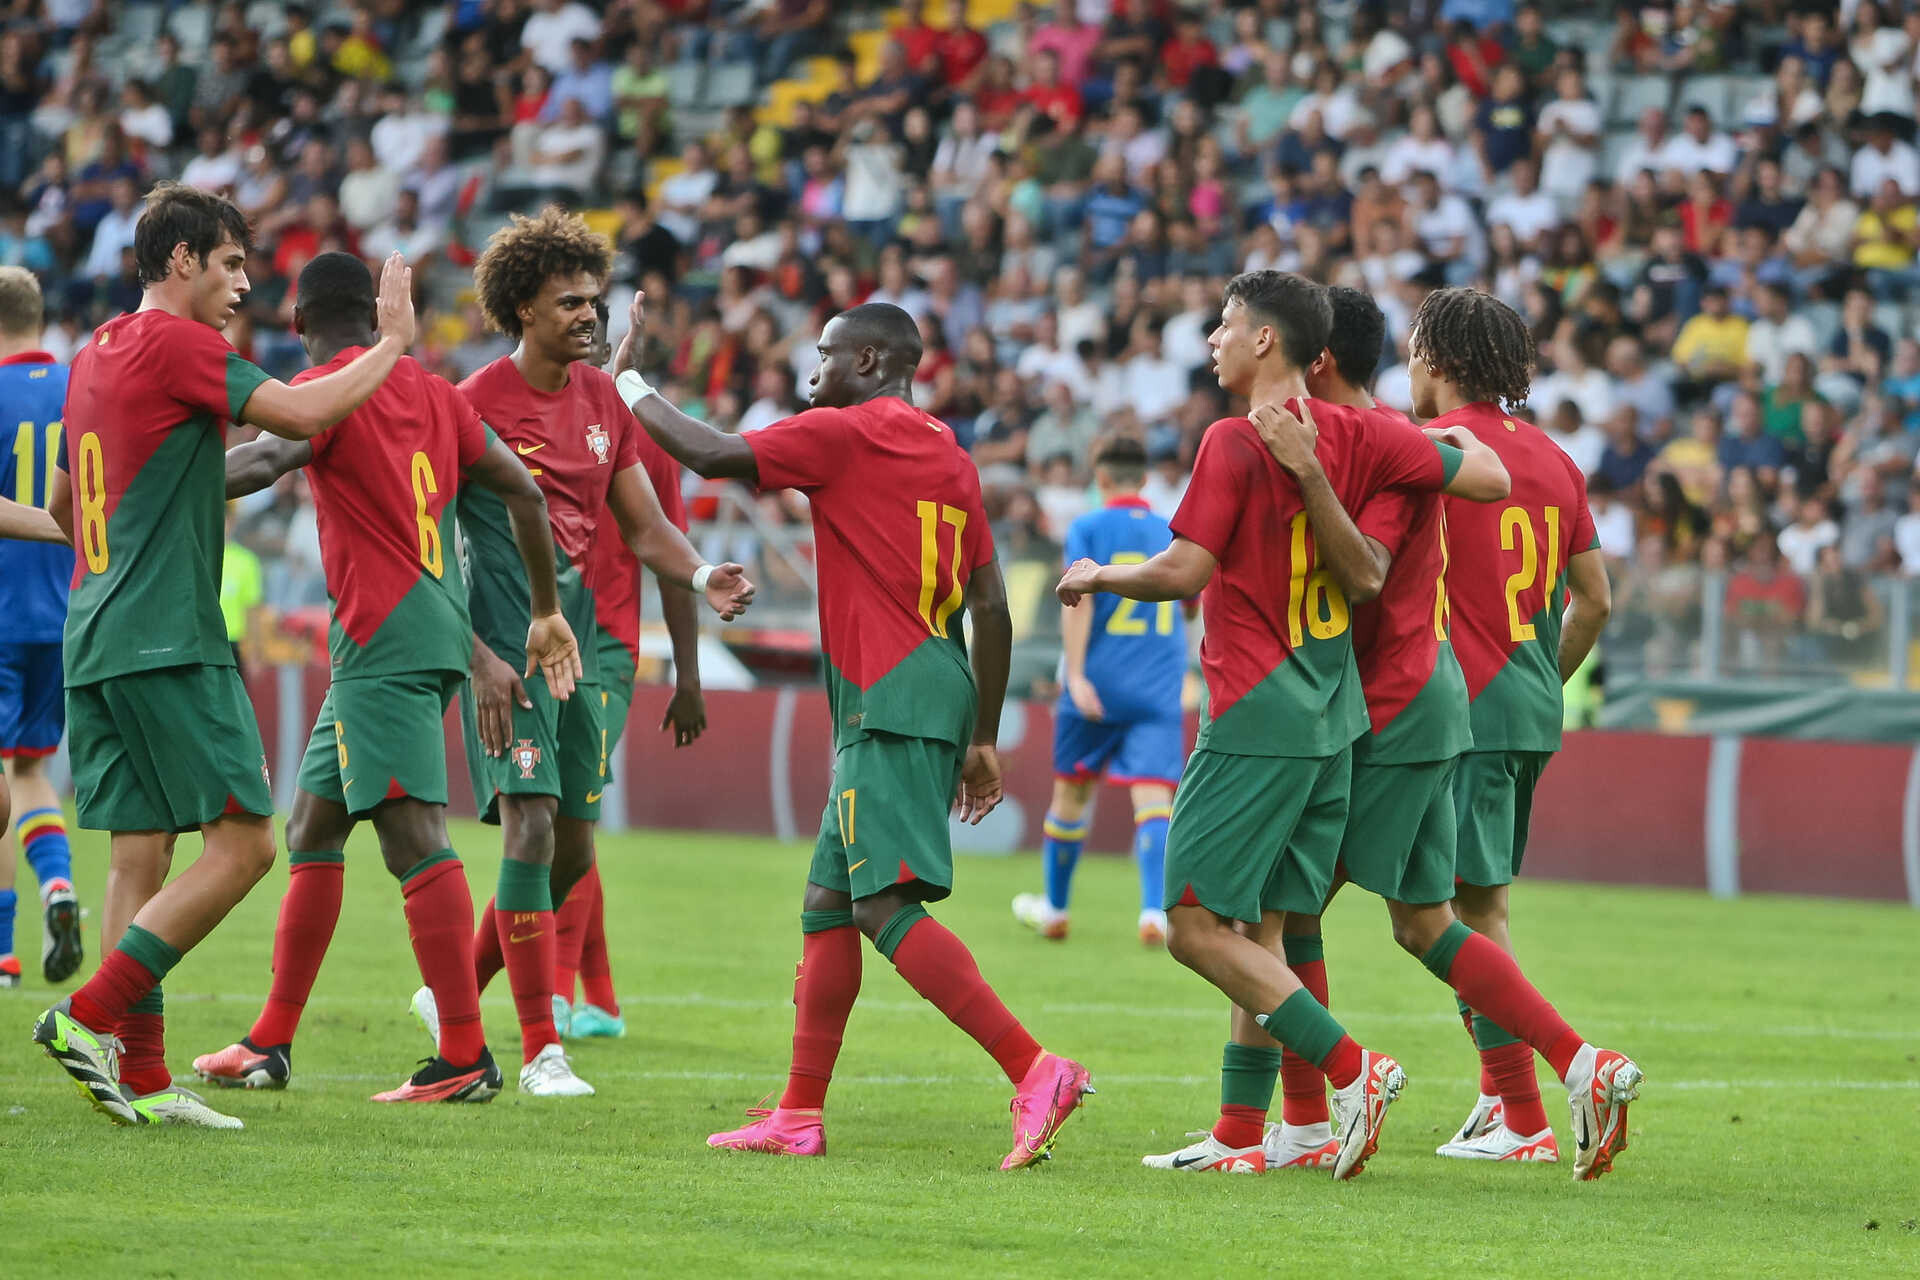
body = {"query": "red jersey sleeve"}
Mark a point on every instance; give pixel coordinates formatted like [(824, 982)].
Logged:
[(1210, 511), (664, 473), (803, 452), (470, 434), (197, 368), (1386, 518), (1408, 459)]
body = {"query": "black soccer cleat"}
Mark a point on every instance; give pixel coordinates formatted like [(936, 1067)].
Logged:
[(61, 950), (438, 1080)]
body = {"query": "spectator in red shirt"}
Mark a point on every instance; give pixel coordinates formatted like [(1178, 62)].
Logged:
[(1705, 215), (1056, 101), (963, 51), (1070, 40), (1473, 57), (919, 41), (1765, 602), (997, 96), (1187, 52)]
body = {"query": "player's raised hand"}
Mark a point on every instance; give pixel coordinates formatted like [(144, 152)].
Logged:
[(496, 692), (729, 591), (687, 714), (1077, 581), (629, 353), (1086, 699), (394, 308), (979, 791), (553, 651), (1288, 438)]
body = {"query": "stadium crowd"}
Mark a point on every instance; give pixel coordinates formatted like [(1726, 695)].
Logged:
[(1708, 212)]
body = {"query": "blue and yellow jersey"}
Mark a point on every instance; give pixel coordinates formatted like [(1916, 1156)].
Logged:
[(34, 576), (1137, 653)]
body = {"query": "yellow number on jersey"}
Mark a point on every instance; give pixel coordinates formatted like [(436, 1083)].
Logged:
[(23, 469), (1124, 622), (423, 488), (1516, 533), (844, 803), (93, 503), (936, 612), (1315, 604), (1442, 611)]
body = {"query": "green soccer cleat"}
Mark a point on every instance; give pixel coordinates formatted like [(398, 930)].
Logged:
[(92, 1060), (591, 1022), (175, 1105)]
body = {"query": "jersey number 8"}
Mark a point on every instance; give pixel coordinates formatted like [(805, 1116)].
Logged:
[(424, 488), (93, 503)]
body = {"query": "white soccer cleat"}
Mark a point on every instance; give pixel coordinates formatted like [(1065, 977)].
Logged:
[(1153, 928), (1504, 1144), (550, 1075), (1311, 1146), (1361, 1110), (175, 1105), (427, 1009), (1035, 912), (1488, 1114), (1210, 1155), (1600, 1084)]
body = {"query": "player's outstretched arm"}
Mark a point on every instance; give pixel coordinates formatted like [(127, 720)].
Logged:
[(665, 550), (253, 466), (60, 501), (29, 524), (1482, 477), (687, 711), (694, 445), (303, 412), (1588, 608), (992, 653), (1178, 573), (551, 645), (1358, 563)]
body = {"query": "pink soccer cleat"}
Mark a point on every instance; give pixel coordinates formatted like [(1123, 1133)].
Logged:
[(244, 1065), (1361, 1109), (777, 1132), (1600, 1084), (1048, 1094)]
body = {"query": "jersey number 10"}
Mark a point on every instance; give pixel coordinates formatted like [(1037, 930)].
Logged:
[(1516, 533), (937, 605), (1315, 604)]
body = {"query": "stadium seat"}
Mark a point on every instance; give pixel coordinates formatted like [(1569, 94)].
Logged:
[(683, 83), (1715, 93), (267, 17), (139, 24), (192, 26), (1636, 94), (730, 84)]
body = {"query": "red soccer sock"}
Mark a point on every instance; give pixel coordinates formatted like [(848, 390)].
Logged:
[(596, 968), (1303, 1086), (1240, 1127), (488, 959), (938, 965), (570, 922), (824, 988), (308, 914), (1342, 1065), (439, 909), (143, 1063), (1510, 1068), (527, 942), (1488, 979), (104, 1000)]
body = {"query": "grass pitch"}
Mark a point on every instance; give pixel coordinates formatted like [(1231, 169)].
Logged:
[(1776, 1136)]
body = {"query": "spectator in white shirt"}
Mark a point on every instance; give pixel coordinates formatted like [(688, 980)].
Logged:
[(115, 231), (367, 192), (1530, 211), (1881, 50), (403, 232), (1788, 101), (1045, 362), (1567, 427), (1697, 147), (1812, 530), (552, 28), (215, 167), (1885, 156), (143, 118), (683, 194), (1643, 151), (1155, 386), (1184, 340), (400, 137), (1080, 316), (1446, 228), (1422, 148), (961, 161), (1569, 130), (1130, 139), (1777, 332), (1574, 380), (567, 154), (437, 183)]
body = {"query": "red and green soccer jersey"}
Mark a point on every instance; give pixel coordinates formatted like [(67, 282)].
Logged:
[(898, 529), (385, 481), (1506, 581), (1278, 650), (1416, 697), (616, 571), (147, 406), (573, 441)]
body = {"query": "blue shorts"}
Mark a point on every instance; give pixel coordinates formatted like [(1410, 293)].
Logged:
[(33, 706), (1124, 752)]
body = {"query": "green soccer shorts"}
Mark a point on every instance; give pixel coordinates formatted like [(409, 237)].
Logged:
[(555, 749), (1493, 801), (616, 688), (165, 750), (1400, 833), (1256, 833), (886, 817), (381, 738)]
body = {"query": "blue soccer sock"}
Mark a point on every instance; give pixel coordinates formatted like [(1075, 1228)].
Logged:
[(1150, 853), (43, 838), (1062, 853), (8, 901)]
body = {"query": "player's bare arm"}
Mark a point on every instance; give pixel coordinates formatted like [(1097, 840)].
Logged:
[(497, 689), (1589, 604), (1178, 573), (1358, 563), (551, 645), (696, 446), (1482, 477), (1076, 629), (60, 502), (665, 550), (304, 411), (687, 710), (29, 524), (992, 654), (253, 466)]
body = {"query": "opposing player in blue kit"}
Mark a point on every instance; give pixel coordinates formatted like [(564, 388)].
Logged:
[(1119, 714)]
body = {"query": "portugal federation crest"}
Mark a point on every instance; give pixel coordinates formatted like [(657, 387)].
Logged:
[(527, 756), (599, 441)]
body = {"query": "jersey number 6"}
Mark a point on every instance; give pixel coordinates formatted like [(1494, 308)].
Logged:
[(424, 488)]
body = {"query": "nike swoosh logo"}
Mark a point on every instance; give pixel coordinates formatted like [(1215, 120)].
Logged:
[(524, 449), (524, 937), (1183, 1162), (856, 866), (592, 796)]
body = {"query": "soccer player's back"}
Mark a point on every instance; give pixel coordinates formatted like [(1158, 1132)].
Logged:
[(34, 579)]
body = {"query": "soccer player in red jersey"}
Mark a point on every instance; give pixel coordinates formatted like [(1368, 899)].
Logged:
[(539, 764), (162, 736), (1512, 565), (902, 542), (1259, 813), (386, 482)]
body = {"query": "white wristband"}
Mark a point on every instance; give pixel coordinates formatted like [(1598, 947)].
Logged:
[(701, 576), (632, 387)]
